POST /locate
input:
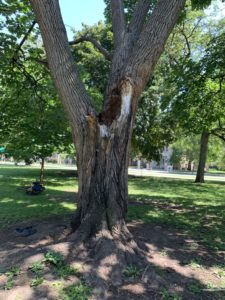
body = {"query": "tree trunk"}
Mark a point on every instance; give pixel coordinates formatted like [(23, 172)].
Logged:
[(41, 177), (102, 141), (102, 171), (189, 165), (202, 157)]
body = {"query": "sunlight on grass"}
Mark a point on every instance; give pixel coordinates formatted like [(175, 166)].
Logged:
[(6, 200), (16, 205), (198, 209), (70, 206)]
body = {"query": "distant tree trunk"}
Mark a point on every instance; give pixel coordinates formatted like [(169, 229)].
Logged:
[(202, 157), (189, 165), (41, 177)]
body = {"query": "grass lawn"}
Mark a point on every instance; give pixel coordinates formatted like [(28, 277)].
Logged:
[(16, 206), (198, 209)]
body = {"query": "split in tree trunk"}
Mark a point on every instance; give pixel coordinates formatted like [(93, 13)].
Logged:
[(102, 142), (202, 157)]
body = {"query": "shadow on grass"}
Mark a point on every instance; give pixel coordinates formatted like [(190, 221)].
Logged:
[(16, 206), (155, 281), (198, 209), (207, 223), (171, 204)]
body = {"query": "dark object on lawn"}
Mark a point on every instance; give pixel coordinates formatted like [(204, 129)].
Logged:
[(35, 189), (26, 231)]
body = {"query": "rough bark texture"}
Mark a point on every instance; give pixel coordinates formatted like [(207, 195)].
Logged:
[(202, 157), (102, 142)]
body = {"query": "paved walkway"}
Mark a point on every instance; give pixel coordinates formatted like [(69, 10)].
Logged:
[(132, 171), (173, 174)]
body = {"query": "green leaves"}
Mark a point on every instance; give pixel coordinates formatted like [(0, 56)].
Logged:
[(32, 120)]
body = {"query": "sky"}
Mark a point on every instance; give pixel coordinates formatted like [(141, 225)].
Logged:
[(76, 12), (220, 10)]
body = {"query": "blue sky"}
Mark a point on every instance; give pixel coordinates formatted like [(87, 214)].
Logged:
[(76, 12)]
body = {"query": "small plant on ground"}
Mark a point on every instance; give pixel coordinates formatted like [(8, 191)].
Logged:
[(14, 271), (9, 284), (194, 264), (66, 271), (163, 253), (37, 267), (54, 258), (194, 288), (166, 295), (36, 281), (79, 291), (132, 271), (220, 272), (210, 286)]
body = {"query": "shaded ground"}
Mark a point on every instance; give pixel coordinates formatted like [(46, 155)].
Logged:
[(180, 266)]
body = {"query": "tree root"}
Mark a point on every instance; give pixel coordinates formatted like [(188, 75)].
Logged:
[(107, 254)]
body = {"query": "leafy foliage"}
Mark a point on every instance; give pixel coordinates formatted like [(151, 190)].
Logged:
[(33, 123), (80, 291), (196, 104), (53, 258)]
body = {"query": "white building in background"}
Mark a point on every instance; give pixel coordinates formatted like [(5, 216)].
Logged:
[(164, 163), (61, 159)]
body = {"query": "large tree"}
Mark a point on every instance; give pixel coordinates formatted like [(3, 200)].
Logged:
[(102, 139)]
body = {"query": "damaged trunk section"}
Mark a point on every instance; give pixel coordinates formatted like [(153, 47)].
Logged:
[(103, 190), (119, 102)]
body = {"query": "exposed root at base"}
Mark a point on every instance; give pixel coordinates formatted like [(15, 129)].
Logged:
[(107, 257)]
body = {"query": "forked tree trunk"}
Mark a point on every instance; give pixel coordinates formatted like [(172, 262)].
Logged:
[(102, 141), (102, 173), (202, 157)]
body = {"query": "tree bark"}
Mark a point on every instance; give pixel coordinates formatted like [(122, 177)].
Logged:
[(202, 157), (102, 142), (41, 177), (189, 165)]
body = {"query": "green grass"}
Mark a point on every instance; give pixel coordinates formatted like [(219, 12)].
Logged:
[(198, 209), (16, 206)]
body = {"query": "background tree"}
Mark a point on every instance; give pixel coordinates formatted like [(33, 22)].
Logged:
[(186, 150), (197, 105), (32, 122)]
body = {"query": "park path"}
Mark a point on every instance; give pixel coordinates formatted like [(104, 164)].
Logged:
[(173, 174)]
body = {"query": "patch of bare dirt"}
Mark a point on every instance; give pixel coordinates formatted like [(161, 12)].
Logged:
[(178, 267)]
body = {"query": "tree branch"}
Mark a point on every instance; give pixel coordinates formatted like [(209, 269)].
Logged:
[(138, 19), (186, 42), (150, 45), (61, 64), (24, 39), (118, 22), (87, 38), (222, 137)]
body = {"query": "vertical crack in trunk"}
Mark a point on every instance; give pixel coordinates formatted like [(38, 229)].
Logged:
[(103, 191)]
